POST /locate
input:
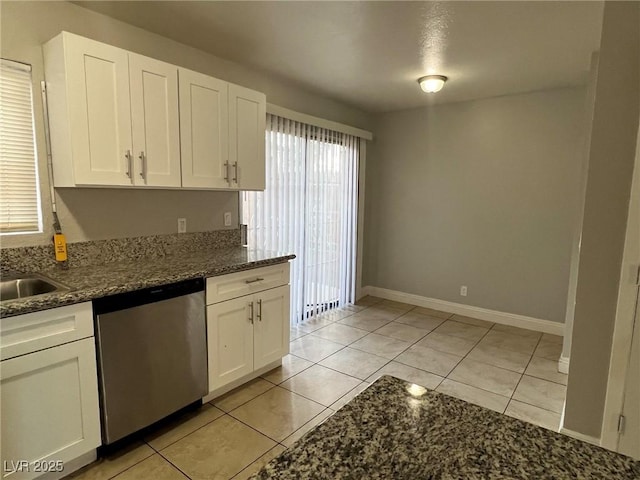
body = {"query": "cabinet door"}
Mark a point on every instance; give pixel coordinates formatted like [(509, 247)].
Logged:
[(99, 110), (155, 122), (271, 326), (204, 130), (229, 341), (247, 118), (49, 406)]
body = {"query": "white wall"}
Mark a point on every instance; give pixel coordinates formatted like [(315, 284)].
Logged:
[(606, 205), (577, 232), (108, 213), (480, 193)]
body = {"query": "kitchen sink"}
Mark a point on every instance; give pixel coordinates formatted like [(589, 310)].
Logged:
[(15, 287)]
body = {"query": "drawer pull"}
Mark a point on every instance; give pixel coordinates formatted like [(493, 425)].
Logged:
[(254, 280)]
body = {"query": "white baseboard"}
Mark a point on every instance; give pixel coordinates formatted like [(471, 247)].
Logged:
[(563, 364), (577, 435), (504, 318), (580, 436), (364, 291)]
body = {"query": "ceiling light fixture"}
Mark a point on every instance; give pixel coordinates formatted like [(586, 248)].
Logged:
[(432, 83)]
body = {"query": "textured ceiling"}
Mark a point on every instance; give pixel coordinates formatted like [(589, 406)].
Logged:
[(370, 54)]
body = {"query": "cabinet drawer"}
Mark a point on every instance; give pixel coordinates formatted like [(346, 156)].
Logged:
[(226, 287), (36, 331)]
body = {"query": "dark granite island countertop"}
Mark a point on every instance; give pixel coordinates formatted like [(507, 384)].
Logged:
[(395, 430), (90, 282)]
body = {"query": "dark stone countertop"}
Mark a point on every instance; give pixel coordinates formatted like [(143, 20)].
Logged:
[(90, 282), (395, 430)]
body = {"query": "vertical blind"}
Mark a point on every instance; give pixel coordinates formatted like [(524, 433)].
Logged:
[(19, 194), (309, 208)]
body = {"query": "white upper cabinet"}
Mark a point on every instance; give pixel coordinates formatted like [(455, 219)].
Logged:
[(247, 117), (119, 119), (89, 112), (155, 122), (113, 115), (204, 131)]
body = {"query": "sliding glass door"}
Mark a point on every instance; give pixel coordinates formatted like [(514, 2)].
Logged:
[(309, 208)]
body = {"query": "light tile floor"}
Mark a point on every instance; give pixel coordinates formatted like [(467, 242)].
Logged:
[(333, 358)]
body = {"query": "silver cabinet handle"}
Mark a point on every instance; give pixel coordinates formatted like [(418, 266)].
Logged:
[(235, 166), (251, 314), (226, 170), (143, 166), (254, 280), (259, 310), (127, 155)]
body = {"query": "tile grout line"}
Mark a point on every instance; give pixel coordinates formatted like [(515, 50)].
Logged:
[(211, 402), (275, 446), (414, 343), (465, 356), (331, 323), (252, 428), (394, 358), (284, 380), (121, 472), (173, 464), (266, 391), (305, 423), (523, 373), (316, 401), (227, 414), (185, 436), (284, 388), (532, 405), (444, 377), (385, 358)]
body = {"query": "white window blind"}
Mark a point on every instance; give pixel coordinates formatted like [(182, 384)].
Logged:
[(19, 193)]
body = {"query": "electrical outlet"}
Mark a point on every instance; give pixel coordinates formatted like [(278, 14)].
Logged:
[(182, 225), (463, 290), (227, 219)]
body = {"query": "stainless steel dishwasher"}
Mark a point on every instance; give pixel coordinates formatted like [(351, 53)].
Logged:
[(152, 355)]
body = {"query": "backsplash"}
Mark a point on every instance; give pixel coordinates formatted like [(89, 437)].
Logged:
[(100, 252)]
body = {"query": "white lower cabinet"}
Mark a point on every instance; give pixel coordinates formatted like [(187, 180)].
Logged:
[(246, 334), (271, 326), (229, 341), (49, 409)]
